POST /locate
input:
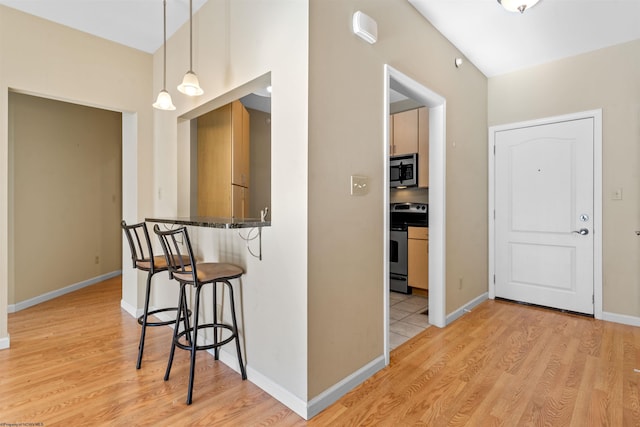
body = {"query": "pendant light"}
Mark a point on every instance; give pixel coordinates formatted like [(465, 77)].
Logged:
[(517, 5), (163, 102), (190, 85)]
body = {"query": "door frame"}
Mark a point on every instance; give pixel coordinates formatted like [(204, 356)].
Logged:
[(437, 200), (596, 115)]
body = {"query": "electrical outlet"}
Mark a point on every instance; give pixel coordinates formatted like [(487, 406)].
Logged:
[(460, 283), (97, 259), (616, 194)]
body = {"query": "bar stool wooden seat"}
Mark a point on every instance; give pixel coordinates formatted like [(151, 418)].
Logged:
[(198, 275), (143, 259)]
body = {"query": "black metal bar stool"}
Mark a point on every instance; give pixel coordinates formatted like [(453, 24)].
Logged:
[(143, 259), (198, 275)]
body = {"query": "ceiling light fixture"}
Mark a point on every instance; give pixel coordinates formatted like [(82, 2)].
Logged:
[(163, 102), (517, 5), (190, 85)]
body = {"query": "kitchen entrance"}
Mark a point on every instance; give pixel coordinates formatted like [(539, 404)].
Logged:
[(408, 102)]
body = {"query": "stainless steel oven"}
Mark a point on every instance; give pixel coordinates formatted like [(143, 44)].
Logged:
[(398, 261), (403, 215)]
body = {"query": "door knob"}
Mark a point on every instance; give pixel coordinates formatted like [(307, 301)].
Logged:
[(582, 231)]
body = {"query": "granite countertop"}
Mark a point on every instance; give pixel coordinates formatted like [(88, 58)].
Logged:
[(212, 222)]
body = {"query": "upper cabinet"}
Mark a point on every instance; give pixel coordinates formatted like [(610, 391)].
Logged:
[(408, 134), (423, 147), (240, 147), (223, 162), (404, 137)]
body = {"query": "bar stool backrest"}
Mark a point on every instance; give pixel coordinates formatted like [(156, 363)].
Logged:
[(176, 244), (141, 254)]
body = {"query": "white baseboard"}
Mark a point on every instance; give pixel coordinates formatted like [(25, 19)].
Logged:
[(335, 392), (4, 342), (467, 307), (12, 308), (288, 399), (293, 402), (129, 308), (306, 410), (621, 318)]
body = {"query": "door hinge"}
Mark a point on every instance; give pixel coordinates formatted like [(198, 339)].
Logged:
[(593, 299), (494, 150), (494, 279)]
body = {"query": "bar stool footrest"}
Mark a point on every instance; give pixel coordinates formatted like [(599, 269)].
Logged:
[(215, 327), (164, 322)]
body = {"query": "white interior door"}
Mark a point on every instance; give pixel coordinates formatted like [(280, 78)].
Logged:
[(544, 208)]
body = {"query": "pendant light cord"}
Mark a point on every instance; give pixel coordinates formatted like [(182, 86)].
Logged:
[(191, 35), (164, 78)]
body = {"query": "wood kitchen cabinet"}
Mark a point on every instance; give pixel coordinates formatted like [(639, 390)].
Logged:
[(239, 201), (408, 134), (223, 162), (423, 147), (404, 133), (418, 257), (240, 145)]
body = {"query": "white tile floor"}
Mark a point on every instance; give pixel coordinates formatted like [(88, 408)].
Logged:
[(406, 318)]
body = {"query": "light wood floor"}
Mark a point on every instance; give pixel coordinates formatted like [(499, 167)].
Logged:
[(72, 362)]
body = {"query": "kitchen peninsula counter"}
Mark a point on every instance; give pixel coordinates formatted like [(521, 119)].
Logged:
[(212, 222)]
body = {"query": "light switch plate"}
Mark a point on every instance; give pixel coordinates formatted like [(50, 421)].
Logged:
[(359, 185)]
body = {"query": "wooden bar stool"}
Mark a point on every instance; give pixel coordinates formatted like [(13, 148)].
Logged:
[(198, 275), (143, 259)]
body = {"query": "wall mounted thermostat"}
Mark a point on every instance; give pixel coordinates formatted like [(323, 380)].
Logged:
[(365, 27)]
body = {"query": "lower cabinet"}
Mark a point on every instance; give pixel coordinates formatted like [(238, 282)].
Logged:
[(418, 257)]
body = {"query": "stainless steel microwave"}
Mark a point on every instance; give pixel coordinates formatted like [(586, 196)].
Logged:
[(403, 170)]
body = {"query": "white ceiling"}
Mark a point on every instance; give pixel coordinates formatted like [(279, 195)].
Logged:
[(134, 23), (494, 40), (498, 42)]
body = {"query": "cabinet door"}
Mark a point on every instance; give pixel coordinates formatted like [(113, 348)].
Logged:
[(405, 132), (418, 258), (423, 147), (239, 201), (391, 146), (214, 163), (240, 144)]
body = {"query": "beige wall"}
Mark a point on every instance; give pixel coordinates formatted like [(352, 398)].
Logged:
[(312, 308), (346, 244), (41, 58), (236, 42), (66, 162), (607, 79)]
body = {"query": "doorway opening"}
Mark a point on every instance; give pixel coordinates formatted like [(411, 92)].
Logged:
[(75, 178), (398, 82)]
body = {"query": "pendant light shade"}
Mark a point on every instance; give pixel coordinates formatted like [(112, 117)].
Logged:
[(163, 102), (517, 5), (190, 85)]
